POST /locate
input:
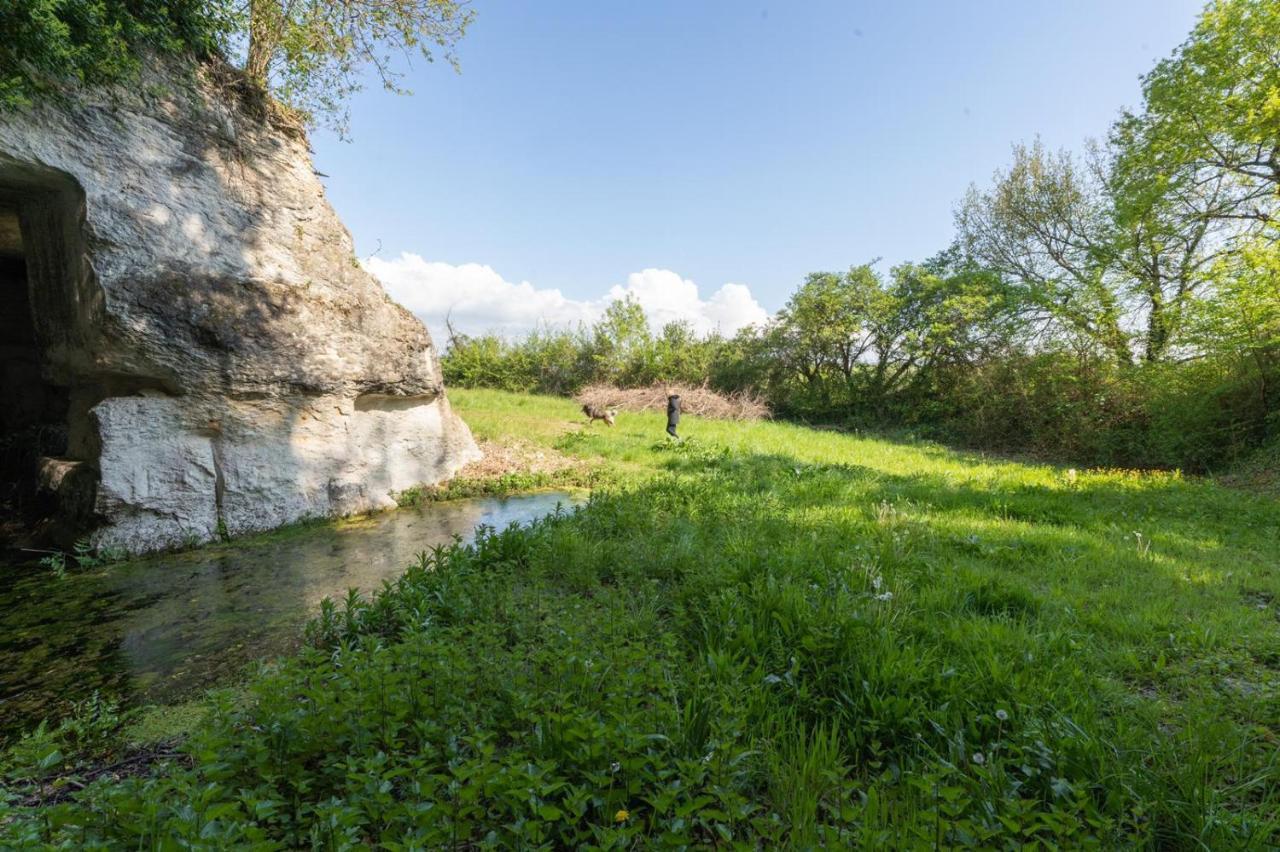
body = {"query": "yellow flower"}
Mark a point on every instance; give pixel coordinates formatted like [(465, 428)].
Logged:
[(622, 816)]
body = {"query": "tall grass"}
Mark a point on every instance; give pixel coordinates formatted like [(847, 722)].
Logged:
[(767, 636)]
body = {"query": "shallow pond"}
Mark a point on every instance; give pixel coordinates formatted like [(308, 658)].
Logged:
[(162, 627)]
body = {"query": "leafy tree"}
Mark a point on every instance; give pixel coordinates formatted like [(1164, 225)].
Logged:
[(1166, 235), (855, 340), (1044, 226), (310, 53), (1098, 248), (829, 326), (1240, 325), (621, 335), (953, 312), (1213, 108), (681, 356), (46, 45)]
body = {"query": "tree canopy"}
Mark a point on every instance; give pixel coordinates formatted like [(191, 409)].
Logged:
[(309, 55), (47, 44), (1213, 108)]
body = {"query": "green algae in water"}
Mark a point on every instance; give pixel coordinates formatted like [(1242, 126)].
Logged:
[(160, 628)]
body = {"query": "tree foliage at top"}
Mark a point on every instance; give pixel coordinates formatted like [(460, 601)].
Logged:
[(48, 44), (1213, 108), (309, 55), (1044, 226)]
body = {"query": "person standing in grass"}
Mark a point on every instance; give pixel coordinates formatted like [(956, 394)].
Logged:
[(673, 414)]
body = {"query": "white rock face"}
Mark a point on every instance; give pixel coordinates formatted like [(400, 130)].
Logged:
[(230, 367)]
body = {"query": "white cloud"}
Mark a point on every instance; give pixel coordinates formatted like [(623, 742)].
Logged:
[(477, 299), (666, 297)]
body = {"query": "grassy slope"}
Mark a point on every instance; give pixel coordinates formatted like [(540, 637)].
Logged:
[(778, 635)]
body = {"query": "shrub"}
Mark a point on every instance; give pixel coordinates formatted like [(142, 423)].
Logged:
[(46, 45)]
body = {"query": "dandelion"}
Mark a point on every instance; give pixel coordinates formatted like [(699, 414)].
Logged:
[(615, 767), (622, 815), (1002, 715), (979, 758)]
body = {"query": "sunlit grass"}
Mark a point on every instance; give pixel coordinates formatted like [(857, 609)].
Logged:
[(772, 636), (1156, 585)]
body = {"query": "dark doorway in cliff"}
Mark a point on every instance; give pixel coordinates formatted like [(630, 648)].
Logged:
[(33, 409)]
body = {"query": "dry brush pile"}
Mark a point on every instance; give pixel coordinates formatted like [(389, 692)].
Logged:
[(701, 401)]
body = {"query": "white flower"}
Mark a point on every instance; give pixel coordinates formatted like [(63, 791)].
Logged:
[(615, 767), (1002, 715), (885, 596), (979, 758)]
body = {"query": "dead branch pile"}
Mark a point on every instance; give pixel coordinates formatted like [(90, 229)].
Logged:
[(701, 401)]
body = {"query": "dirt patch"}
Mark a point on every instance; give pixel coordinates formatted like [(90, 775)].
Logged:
[(516, 456), (701, 401), (511, 467)]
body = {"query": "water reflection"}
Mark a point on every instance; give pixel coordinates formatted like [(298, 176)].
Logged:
[(166, 626)]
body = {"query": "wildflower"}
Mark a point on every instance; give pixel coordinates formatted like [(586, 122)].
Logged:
[(622, 815), (885, 596), (979, 758), (615, 767), (1002, 715)]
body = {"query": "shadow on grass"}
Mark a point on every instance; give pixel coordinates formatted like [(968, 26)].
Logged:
[(757, 648)]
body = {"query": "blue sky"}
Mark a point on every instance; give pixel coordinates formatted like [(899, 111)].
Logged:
[(587, 147)]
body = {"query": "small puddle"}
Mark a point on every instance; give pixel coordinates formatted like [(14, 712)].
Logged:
[(163, 627)]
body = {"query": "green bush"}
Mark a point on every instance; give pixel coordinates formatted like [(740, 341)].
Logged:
[(46, 45), (1199, 416), (621, 350)]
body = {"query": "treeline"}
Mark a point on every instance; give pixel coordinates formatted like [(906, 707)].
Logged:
[(1118, 308), (621, 349)]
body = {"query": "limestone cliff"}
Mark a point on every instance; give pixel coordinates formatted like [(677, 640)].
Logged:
[(223, 362)]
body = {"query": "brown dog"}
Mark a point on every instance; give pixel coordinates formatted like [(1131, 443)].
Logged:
[(595, 412)]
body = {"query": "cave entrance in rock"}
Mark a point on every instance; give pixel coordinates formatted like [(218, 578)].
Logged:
[(35, 288)]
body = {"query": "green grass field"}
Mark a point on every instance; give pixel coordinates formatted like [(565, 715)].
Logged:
[(768, 636)]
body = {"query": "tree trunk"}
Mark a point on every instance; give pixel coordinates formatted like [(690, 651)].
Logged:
[(1157, 332), (264, 18)]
